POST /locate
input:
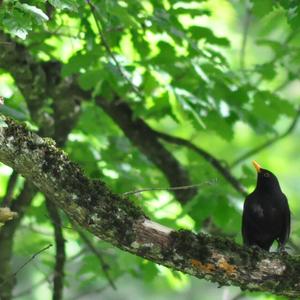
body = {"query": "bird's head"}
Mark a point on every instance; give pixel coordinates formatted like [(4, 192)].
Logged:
[(266, 180)]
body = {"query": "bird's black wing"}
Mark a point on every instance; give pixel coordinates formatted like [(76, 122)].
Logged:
[(286, 222), (245, 222)]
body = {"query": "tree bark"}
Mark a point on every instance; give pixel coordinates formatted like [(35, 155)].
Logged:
[(118, 221)]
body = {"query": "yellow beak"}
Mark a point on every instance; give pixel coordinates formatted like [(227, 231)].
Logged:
[(256, 165)]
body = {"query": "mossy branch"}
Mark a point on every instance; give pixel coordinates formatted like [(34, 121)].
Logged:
[(115, 219)]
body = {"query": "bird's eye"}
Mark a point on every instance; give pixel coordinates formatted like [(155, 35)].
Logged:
[(266, 175)]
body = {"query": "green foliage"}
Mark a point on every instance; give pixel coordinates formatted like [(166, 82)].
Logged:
[(179, 67), (66, 4), (19, 18)]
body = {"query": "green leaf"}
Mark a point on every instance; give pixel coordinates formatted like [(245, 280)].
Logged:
[(20, 18), (161, 107), (149, 83), (91, 78), (277, 47), (191, 109), (39, 15), (166, 55), (218, 123), (150, 271), (17, 24), (121, 12), (223, 212), (140, 44), (193, 12), (266, 70), (80, 61), (198, 32), (65, 4), (293, 14), (262, 106), (248, 177), (269, 107), (262, 8)]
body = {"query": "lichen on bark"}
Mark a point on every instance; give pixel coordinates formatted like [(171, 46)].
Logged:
[(117, 220)]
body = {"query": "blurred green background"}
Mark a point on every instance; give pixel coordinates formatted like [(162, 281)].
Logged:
[(220, 74)]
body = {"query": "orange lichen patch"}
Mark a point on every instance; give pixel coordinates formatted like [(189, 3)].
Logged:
[(6, 214), (220, 264), (207, 268), (228, 268)]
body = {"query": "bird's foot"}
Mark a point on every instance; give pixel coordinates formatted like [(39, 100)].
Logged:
[(281, 250)]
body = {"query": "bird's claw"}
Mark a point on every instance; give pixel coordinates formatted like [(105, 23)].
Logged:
[(281, 250)]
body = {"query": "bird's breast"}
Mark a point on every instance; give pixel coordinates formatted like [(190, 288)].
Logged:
[(258, 210), (268, 210)]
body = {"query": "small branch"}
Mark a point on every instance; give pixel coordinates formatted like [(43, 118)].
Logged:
[(7, 234), (60, 256), (268, 143), (175, 188), (97, 253), (208, 157), (25, 264), (107, 47), (136, 129), (244, 38), (10, 189), (30, 259), (118, 221)]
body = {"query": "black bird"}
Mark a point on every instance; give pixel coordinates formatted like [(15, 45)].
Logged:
[(266, 215)]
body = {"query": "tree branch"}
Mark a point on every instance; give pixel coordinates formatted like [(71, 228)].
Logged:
[(246, 26), (39, 81), (28, 74), (67, 96), (136, 130), (185, 187), (60, 256), (6, 239), (28, 261), (269, 142), (118, 221), (97, 253), (10, 189), (97, 20), (208, 157)]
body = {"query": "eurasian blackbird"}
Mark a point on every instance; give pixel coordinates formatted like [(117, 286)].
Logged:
[(266, 215)]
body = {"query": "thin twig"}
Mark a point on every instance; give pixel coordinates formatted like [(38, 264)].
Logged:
[(31, 259), (244, 38), (107, 47), (269, 142), (185, 187), (10, 189), (208, 157), (25, 264), (93, 249)]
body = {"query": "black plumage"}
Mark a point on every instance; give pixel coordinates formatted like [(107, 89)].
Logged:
[(266, 215)]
